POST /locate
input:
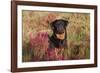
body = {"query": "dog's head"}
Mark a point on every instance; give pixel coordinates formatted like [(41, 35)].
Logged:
[(59, 28)]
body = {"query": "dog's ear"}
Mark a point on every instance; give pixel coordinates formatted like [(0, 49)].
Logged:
[(52, 25), (66, 23)]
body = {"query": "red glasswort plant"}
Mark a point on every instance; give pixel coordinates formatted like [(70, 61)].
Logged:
[(54, 54), (48, 19), (39, 45)]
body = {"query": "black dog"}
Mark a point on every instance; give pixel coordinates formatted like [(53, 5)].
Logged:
[(59, 36)]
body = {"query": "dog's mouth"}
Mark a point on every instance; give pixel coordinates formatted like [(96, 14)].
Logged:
[(61, 35)]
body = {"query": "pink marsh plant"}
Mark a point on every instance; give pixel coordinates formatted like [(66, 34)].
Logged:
[(39, 45), (41, 51), (54, 54), (46, 20)]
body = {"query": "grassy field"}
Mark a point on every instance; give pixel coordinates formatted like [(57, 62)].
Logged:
[(78, 33)]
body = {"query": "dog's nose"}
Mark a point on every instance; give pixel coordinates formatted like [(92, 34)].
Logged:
[(60, 30)]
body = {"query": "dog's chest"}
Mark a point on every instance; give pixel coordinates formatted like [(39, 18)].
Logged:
[(55, 43)]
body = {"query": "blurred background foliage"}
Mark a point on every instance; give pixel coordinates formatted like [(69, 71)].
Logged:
[(78, 32)]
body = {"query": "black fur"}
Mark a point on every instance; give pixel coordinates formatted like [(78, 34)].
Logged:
[(58, 27)]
